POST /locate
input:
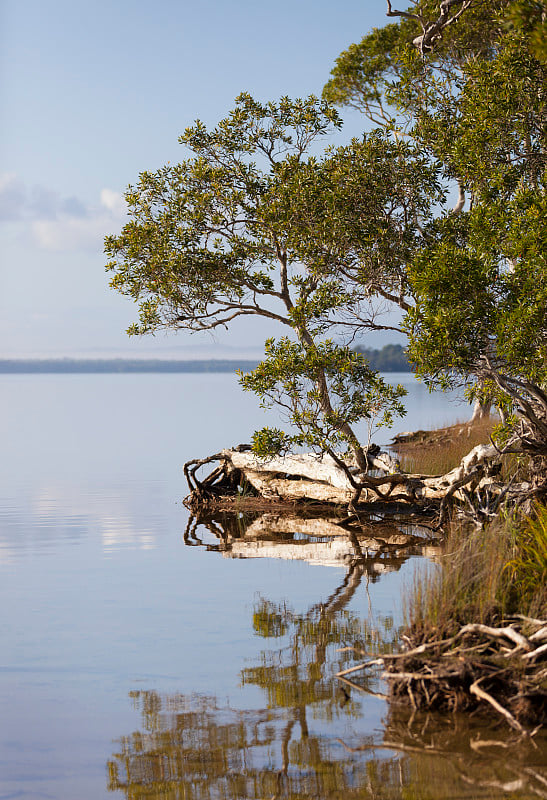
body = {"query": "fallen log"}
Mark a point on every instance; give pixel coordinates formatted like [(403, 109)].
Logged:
[(238, 474)]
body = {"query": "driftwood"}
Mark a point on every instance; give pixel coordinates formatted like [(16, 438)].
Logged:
[(500, 668), (237, 475)]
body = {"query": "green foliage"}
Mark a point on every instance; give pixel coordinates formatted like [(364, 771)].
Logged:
[(362, 73), (372, 76), (323, 390), (474, 102), (530, 16), (480, 281), (256, 224), (491, 133), (198, 250), (484, 576), (527, 570)]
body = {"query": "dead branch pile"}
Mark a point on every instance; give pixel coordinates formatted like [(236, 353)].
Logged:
[(238, 474), (502, 669)]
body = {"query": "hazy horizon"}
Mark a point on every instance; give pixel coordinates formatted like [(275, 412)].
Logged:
[(94, 94)]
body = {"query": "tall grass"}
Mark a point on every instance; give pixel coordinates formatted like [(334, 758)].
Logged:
[(483, 576), (527, 569), (443, 449)]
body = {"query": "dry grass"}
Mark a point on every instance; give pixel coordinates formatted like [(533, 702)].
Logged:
[(483, 576), (437, 452)]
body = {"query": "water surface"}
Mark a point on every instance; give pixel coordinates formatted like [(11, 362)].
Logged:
[(137, 662)]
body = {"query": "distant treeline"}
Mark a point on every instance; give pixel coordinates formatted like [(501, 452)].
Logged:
[(390, 358), (94, 365)]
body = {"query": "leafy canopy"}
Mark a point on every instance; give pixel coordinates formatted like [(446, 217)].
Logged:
[(260, 221), (473, 102)]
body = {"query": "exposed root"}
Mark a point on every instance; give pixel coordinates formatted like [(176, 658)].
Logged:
[(473, 487), (494, 668)]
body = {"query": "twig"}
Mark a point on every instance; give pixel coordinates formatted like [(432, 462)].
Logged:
[(476, 690), (404, 748), (497, 633), (541, 634), (364, 689), (538, 651), (351, 649), (364, 665), (418, 676), (532, 620), (421, 649)]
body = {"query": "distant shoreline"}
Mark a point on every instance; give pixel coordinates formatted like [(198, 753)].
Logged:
[(390, 358), (119, 365), (68, 366)]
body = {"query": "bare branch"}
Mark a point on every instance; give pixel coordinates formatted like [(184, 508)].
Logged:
[(461, 200), (203, 322), (432, 31), (394, 13)]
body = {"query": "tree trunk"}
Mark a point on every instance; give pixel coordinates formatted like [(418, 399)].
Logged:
[(481, 410)]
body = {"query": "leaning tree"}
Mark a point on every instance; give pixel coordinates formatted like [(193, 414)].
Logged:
[(260, 222)]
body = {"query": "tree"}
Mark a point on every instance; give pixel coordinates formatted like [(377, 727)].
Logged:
[(368, 75), (256, 224), (260, 222), (465, 82)]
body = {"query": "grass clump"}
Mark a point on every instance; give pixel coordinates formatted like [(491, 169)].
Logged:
[(527, 569), (483, 576), (437, 452)]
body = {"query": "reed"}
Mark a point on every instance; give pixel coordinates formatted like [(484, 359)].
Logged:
[(441, 450), (482, 576)]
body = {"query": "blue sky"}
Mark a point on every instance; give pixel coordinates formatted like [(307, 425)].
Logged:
[(93, 93)]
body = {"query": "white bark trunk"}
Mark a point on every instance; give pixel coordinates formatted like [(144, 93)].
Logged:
[(481, 410), (319, 478)]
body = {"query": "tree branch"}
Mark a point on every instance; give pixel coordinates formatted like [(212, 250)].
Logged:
[(212, 320), (432, 31)]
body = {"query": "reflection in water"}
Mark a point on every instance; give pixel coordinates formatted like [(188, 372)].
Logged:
[(377, 547), (70, 513), (192, 748), (461, 756), (302, 743)]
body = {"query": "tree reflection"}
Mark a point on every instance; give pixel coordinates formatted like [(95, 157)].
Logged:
[(191, 748), (456, 755), (194, 747), (369, 547)]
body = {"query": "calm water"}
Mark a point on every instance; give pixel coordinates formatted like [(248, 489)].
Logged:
[(143, 656)]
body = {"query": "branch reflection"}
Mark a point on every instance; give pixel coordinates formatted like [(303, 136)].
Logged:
[(304, 742)]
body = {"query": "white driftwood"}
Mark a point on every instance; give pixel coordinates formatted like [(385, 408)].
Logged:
[(275, 524), (338, 480), (306, 465), (310, 477), (272, 487)]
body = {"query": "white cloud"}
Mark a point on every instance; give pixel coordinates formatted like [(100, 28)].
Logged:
[(60, 223), (69, 233), (12, 197), (85, 232), (114, 202)]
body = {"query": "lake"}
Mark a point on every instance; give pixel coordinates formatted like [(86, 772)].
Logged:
[(146, 656)]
